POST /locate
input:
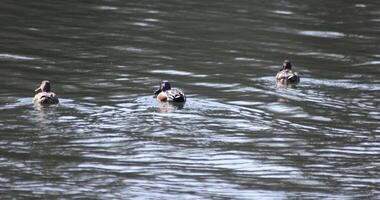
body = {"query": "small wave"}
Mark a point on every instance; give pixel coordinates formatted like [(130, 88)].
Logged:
[(216, 85), (5, 56), (134, 49), (172, 72), (331, 56), (323, 34), (177, 72), (293, 111), (142, 24), (282, 12), (151, 20), (246, 59), (360, 5), (375, 62), (343, 84), (19, 103), (107, 8)]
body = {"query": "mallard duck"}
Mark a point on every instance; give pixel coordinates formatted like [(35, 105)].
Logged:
[(166, 93), (45, 95), (286, 75)]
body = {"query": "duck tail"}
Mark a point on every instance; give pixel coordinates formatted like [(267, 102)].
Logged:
[(179, 98), (294, 78)]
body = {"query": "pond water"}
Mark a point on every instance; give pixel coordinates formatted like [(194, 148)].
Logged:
[(238, 136)]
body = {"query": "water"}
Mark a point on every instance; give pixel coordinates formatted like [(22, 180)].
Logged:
[(239, 136)]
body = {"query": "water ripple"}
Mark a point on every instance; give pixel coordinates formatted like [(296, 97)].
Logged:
[(238, 136), (177, 72), (323, 34), (7, 56)]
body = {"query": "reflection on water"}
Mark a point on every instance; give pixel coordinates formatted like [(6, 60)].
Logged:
[(238, 136), (324, 34)]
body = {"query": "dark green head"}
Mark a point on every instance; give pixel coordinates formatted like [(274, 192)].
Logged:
[(164, 86), (286, 65)]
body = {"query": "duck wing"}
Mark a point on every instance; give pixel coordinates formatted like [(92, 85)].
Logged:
[(175, 95)]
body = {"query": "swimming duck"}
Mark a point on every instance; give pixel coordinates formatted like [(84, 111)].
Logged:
[(166, 93), (286, 75), (45, 95)]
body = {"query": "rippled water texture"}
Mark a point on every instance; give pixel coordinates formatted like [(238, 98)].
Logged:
[(238, 136)]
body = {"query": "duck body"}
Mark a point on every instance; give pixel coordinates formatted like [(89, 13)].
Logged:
[(44, 95), (46, 98), (286, 75), (172, 95), (167, 94)]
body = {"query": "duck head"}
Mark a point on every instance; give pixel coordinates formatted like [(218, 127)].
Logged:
[(286, 65), (44, 87), (164, 86)]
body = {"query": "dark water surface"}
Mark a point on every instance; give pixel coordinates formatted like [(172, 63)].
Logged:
[(239, 136)]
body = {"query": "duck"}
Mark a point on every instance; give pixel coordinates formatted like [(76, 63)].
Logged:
[(286, 75), (168, 94), (44, 95)]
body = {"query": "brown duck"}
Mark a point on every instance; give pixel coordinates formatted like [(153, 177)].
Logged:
[(45, 95), (167, 93), (286, 75)]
